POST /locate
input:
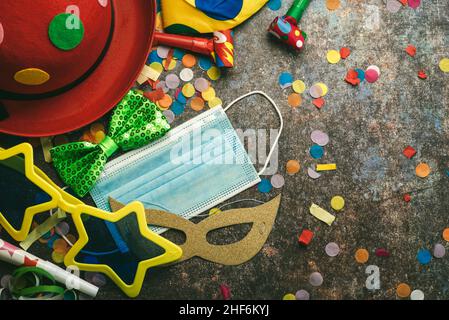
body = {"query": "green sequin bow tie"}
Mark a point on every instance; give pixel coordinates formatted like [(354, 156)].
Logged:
[(135, 122)]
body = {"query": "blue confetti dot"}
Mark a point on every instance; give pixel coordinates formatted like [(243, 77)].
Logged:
[(316, 151), (205, 63), (177, 108), (285, 79), (360, 74), (274, 4), (181, 98), (264, 186), (153, 57), (52, 240), (178, 54), (424, 256)]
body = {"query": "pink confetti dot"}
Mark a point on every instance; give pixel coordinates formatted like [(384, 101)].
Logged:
[(414, 4), (371, 76)]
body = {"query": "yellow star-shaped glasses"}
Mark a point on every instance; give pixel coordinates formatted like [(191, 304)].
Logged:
[(10, 158), (172, 251)]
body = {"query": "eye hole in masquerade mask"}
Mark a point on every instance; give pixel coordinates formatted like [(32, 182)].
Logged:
[(229, 234), (261, 218)]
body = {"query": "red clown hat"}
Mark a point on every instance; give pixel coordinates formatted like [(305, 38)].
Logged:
[(65, 63)]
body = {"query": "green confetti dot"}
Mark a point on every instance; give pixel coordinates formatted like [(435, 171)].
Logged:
[(66, 31)]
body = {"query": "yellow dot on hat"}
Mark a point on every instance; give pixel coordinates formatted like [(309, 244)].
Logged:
[(32, 77)]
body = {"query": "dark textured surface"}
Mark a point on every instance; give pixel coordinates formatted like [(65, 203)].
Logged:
[(369, 126)]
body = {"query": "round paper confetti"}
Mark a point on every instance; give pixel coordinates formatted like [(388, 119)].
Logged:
[(316, 91), (205, 63), (277, 181), (60, 245), (170, 66), (285, 80), (274, 4), (63, 33), (169, 115), (403, 290), (188, 60), (162, 52), (320, 138), (446, 234), (332, 4), (156, 66), (215, 102), (264, 186), (333, 56), (417, 295), (180, 97), (293, 167), (345, 52), (439, 251), (188, 90), (316, 151), (313, 174), (214, 73), (299, 86), (163, 86), (424, 257), (316, 279), (186, 75), (177, 108), (165, 102), (214, 211), (172, 81), (332, 249), (294, 100), (444, 63), (393, 6), (197, 104), (302, 295), (57, 257), (422, 170), (289, 296), (361, 255), (209, 94), (201, 84), (178, 54), (337, 203), (414, 4), (324, 88), (360, 74), (32, 77), (371, 76), (375, 68)]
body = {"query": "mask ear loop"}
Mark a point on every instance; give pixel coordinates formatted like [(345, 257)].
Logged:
[(280, 118)]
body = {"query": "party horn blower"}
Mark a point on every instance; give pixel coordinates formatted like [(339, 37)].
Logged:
[(11, 254), (220, 48), (286, 28)]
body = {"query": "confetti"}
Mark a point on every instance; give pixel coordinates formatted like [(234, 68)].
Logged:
[(439, 251), (264, 186), (188, 90), (411, 50), (169, 115), (285, 80), (319, 137), (360, 74), (316, 151), (172, 81), (414, 4), (319, 103), (316, 279), (444, 65), (177, 108), (446, 234), (214, 73), (305, 237), (332, 249), (299, 86), (403, 290), (312, 173), (381, 252), (201, 84), (274, 5), (165, 102), (422, 170), (277, 181), (302, 295), (289, 296), (333, 56), (209, 94), (409, 152), (293, 167), (324, 88), (332, 4), (337, 203), (422, 74), (417, 295), (345, 52), (186, 75), (371, 75), (316, 91), (326, 167), (321, 214), (197, 104), (294, 100), (393, 6), (352, 77), (407, 197), (215, 102), (189, 61), (424, 256), (162, 52), (361, 255), (205, 63)]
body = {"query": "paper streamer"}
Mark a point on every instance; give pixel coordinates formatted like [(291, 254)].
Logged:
[(321, 214)]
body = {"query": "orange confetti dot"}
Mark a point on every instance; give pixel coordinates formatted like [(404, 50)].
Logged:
[(403, 290), (294, 100), (332, 4), (446, 234), (99, 136), (345, 52), (188, 60), (165, 102), (422, 170), (361, 255), (319, 103), (60, 246), (293, 167), (197, 104)]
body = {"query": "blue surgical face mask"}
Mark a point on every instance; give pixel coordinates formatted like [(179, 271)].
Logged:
[(196, 166)]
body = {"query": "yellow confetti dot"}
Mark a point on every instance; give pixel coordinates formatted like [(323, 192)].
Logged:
[(361, 255), (289, 296), (323, 87), (156, 66), (209, 94), (32, 77), (337, 203), (214, 73), (333, 56), (215, 102), (299, 86), (57, 257), (188, 90), (444, 65), (171, 66)]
